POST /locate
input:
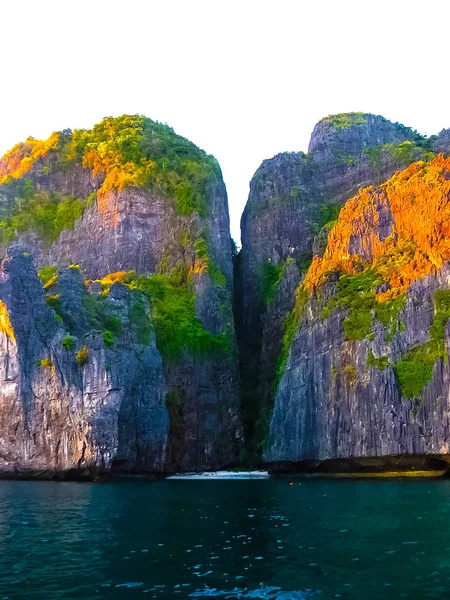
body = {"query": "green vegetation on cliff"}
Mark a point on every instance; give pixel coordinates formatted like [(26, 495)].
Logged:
[(134, 150), (357, 293), (289, 328), (130, 150), (68, 342), (163, 303), (98, 315), (344, 120), (382, 362), (271, 277), (203, 254), (403, 154), (46, 274), (45, 362), (82, 356), (172, 315), (415, 368), (176, 324), (44, 213)]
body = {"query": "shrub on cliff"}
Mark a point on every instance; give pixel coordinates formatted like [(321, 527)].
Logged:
[(82, 356), (45, 362), (45, 213), (108, 338), (68, 342), (46, 273)]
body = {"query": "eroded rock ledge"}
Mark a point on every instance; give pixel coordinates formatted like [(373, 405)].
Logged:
[(417, 465)]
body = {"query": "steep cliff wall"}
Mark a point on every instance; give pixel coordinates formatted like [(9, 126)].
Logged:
[(365, 371), (72, 398), (293, 202), (132, 198)]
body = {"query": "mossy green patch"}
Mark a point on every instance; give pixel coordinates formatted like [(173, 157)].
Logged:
[(357, 325), (271, 277), (382, 362), (55, 303), (176, 324), (108, 338), (324, 215), (415, 368), (303, 261), (403, 153), (44, 213), (46, 273), (349, 372), (204, 254), (140, 319), (289, 328), (96, 311), (344, 120), (387, 313), (357, 293)]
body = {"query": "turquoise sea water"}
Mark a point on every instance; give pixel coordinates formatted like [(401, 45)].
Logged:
[(225, 539)]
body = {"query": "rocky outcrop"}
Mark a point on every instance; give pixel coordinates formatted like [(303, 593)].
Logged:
[(75, 403), (441, 142), (366, 372), (290, 194), (294, 199), (132, 197)]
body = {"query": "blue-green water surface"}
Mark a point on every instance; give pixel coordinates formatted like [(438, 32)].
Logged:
[(225, 539)]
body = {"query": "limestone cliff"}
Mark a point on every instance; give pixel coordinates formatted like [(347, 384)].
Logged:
[(364, 370), (133, 202), (117, 335), (294, 199)]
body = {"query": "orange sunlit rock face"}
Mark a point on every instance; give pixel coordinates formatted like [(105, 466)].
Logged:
[(22, 157), (112, 278), (117, 277), (401, 229), (199, 266), (5, 323)]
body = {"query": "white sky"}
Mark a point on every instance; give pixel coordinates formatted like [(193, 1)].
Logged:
[(243, 79)]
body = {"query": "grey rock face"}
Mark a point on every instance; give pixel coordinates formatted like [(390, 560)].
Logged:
[(367, 131), (442, 142), (330, 404), (58, 413)]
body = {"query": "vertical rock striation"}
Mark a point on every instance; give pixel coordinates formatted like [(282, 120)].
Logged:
[(73, 402)]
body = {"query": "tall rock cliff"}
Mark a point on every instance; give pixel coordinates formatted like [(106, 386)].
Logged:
[(294, 201), (82, 401), (141, 210), (364, 368)]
